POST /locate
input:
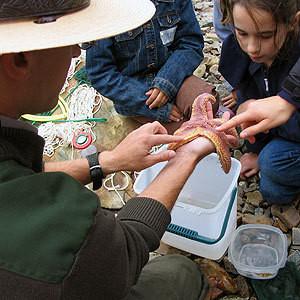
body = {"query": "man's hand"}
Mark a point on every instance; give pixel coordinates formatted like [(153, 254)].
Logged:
[(157, 98), (133, 153), (255, 116), (175, 114), (201, 147)]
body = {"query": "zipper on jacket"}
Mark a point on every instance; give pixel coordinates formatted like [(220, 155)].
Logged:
[(266, 81)]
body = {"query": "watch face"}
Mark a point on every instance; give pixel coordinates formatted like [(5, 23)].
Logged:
[(91, 149)]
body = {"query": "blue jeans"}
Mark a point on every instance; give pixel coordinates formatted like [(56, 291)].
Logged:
[(279, 163)]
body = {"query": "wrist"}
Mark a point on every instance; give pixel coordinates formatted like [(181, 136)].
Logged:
[(108, 162), (285, 104)]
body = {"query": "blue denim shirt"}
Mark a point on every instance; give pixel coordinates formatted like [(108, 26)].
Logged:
[(161, 54), (253, 81)]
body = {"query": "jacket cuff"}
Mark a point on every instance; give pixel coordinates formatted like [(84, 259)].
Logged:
[(147, 211), (287, 96), (166, 86)]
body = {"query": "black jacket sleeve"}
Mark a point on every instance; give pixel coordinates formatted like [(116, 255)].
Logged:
[(115, 251), (291, 86)]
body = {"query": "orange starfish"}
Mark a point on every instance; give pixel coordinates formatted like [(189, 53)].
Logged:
[(200, 125)]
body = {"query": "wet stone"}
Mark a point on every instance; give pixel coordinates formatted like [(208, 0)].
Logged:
[(229, 267), (239, 219), (242, 285), (288, 214), (259, 211), (296, 236), (279, 224), (254, 198), (217, 276), (267, 211), (253, 186), (295, 258), (248, 208), (251, 219)]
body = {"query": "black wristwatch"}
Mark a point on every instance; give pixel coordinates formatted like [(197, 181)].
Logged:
[(95, 170)]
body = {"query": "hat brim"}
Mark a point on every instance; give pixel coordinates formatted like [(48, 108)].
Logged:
[(101, 19)]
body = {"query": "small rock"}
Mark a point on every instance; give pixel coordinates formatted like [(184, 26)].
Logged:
[(296, 236), (239, 219), (267, 211), (250, 219), (295, 258), (200, 71), (294, 248), (248, 208), (217, 276), (242, 286), (253, 186), (279, 224), (214, 70), (254, 198), (212, 36), (288, 214), (229, 267), (259, 211)]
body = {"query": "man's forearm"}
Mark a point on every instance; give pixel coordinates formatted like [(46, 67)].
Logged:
[(79, 168), (167, 185)]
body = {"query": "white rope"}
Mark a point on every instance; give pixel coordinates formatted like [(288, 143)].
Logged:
[(83, 104), (109, 184), (57, 135), (72, 69)]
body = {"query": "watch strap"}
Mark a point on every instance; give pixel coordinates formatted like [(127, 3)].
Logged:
[(96, 172)]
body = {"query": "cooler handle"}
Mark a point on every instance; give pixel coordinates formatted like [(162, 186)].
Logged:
[(193, 235)]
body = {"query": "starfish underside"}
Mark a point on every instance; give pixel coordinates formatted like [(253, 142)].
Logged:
[(199, 125)]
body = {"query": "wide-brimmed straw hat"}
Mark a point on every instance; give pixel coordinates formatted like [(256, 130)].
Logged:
[(39, 24)]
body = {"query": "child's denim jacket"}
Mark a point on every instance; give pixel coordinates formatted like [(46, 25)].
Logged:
[(160, 53)]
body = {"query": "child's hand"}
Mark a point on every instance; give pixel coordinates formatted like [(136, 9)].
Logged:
[(255, 116), (157, 98), (230, 100), (175, 114), (249, 163)]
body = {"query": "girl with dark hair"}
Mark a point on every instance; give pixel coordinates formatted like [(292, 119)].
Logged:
[(256, 60)]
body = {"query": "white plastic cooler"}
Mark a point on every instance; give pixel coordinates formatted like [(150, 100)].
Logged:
[(204, 216)]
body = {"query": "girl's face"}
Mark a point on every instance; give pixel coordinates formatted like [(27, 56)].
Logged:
[(258, 35)]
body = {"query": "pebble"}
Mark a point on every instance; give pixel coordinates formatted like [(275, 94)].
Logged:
[(296, 236)]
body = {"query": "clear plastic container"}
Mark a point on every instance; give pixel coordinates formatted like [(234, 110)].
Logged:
[(258, 251)]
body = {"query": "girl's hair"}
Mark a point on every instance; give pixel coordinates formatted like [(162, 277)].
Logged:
[(283, 11)]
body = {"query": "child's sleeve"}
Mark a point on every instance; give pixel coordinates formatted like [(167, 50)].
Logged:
[(291, 86), (186, 52), (127, 93)]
